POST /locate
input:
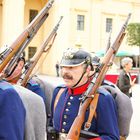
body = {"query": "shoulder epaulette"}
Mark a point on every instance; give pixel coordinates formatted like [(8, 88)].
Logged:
[(32, 82), (61, 86), (5, 85), (103, 91), (106, 82)]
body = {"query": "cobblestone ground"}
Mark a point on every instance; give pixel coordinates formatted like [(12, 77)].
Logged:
[(135, 123)]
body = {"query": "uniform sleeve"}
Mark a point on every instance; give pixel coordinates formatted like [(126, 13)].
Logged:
[(12, 115), (107, 123)]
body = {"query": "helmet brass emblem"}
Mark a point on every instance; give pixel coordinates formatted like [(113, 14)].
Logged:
[(69, 53)]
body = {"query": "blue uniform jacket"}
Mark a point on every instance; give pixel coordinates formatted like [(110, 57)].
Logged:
[(35, 87), (12, 113), (105, 124)]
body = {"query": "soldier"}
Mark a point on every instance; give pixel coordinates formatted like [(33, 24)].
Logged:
[(12, 113), (35, 119), (32, 85), (16, 72), (125, 82), (76, 70), (57, 68)]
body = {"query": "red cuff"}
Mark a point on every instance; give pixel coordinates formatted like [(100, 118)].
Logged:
[(96, 138)]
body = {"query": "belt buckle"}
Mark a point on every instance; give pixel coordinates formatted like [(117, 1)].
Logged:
[(62, 136)]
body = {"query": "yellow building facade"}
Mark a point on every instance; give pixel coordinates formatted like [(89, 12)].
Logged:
[(85, 24)]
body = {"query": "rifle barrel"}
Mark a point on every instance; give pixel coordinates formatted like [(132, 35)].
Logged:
[(32, 63), (23, 39)]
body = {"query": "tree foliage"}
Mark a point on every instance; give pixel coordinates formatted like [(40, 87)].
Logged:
[(133, 34)]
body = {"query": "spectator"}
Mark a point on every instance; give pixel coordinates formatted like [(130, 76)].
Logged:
[(124, 82)]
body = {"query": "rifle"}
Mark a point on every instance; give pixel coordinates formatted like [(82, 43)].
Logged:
[(31, 64), (75, 129), (18, 46)]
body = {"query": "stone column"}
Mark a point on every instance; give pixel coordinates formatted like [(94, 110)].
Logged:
[(13, 20)]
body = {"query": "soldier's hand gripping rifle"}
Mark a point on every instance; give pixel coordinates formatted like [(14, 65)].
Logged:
[(12, 53), (31, 64), (75, 129)]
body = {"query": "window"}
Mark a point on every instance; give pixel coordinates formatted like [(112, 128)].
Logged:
[(78, 45), (33, 14), (108, 24), (31, 52), (80, 22)]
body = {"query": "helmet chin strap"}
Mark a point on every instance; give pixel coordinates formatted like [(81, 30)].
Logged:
[(80, 77)]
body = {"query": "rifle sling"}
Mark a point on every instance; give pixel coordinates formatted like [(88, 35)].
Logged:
[(92, 111), (93, 106), (57, 97)]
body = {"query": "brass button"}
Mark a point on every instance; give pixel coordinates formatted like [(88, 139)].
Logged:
[(71, 97), (65, 116), (69, 103), (64, 123), (67, 109)]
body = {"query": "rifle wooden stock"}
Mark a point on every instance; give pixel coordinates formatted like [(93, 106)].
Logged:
[(75, 129), (13, 49), (25, 37), (32, 63)]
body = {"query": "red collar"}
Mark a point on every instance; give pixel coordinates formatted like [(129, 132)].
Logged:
[(78, 90)]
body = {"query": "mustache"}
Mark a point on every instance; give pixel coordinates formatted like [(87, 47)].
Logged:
[(66, 76)]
